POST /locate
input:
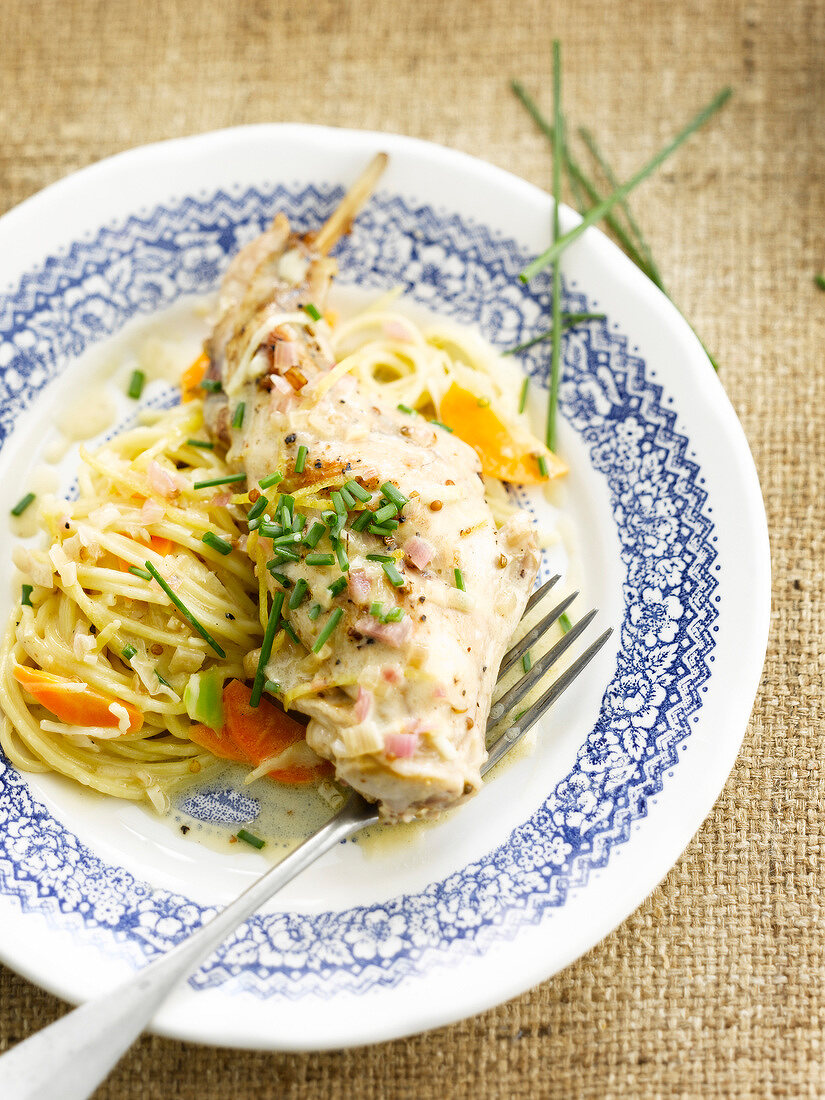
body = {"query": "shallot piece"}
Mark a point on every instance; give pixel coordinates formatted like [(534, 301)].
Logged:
[(152, 511), (392, 634), (360, 587), (401, 745), (287, 354), (162, 481), (363, 704), (419, 552)]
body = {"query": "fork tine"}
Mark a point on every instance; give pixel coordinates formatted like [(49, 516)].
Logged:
[(532, 636), (515, 733), (528, 682), (541, 593)]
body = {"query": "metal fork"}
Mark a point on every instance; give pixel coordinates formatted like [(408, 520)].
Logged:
[(72, 1056)]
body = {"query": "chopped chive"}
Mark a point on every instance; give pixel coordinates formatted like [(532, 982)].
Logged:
[(289, 629), (270, 480), (285, 554), (389, 511), (319, 559), (216, 542), (285, 508), (22, 504), (380, 557), (211, 385), (393, 576), (283, 580), (312, 311), (184, 610), (258, 508), (26, 595), (338, 503), (136, 384), (204, 444), (542, 461), (383, 532), (360, 522), (377, 609), (128, 652), (250, 838), (527, 661), (358, 491), (298, 594), (564, 621), (394, 494), (138, 572), (337, 586), (568, 320), (314, 611), (329, 626), (337, 526), (163, 680), (347, 497), (522, 401), (298, 521), (600, 209), (269, 530), (820, 280), (285, 540), (230, 479), (394, 616), (273, 687), (341, 555), (301, 459), (408, 410), (313, 535), (459, 580), (266, 649), (441, 424), (240, 411)]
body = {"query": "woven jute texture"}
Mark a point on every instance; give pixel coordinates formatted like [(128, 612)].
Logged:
[(714, 986)]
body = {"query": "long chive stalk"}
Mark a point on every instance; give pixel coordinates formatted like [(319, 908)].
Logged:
[(555, 355), (184, 610), (578, 177), (266, 649), (635, 228), (598, 212), (568, 320)]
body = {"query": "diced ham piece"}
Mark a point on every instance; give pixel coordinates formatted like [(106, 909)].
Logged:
[(363, 704), (287, 354), (401, 745), (419, 552), (359, 587), (392, 634)]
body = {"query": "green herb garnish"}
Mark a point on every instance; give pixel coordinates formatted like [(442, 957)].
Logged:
[(273, 687), (250, 838), (522, 401), (184, 610), (389, 511), (289, 630), (527, 661), (230, 479), (22, 504), (377, 610), (337, 586), (564, 621), (542, 463), (394, 616), (341, 555), (26, 595), (163, 680), (330, 625), (380, 557), (392, 574), (820, 280), (128, 652), (257, 509), (216, 542), (240, 411), (358, 491), (319, 559), (300, 459), (138, 572), (394, 494), (555, 354), (298, 594), (313, 535), (270, 480), (310, 309), (284, 581), (211, 385), (459, 579), (360, 522), (568, 320), (441, 424), (347, 497), (136, 384), (314, 611), (203, 444), (406, 409), (266, 649)]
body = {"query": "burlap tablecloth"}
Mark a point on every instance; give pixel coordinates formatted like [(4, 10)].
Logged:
[(713, 987)]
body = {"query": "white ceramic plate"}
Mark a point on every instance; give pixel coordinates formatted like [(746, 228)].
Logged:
[(376, 942)]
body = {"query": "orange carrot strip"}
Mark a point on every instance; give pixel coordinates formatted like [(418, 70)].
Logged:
[(192, 377), (74, 702), (501, 456)]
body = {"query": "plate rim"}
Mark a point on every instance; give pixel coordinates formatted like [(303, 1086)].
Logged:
[(705, 379)]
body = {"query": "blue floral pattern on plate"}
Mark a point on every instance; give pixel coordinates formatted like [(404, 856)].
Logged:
[(666, 638)]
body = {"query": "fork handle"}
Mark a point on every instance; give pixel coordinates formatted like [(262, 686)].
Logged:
[(70, 1057)]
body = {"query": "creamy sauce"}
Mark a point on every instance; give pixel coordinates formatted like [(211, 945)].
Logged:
[(87, 416), (43, 480)]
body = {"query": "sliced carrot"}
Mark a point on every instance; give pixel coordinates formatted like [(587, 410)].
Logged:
[(161, 545), (501, 456), (254, 734), (192, 377), (72, 701)]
